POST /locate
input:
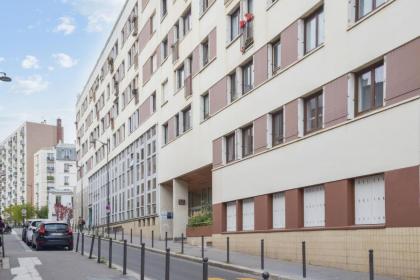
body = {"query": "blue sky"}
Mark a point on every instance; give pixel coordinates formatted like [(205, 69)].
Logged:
[(48, 48)]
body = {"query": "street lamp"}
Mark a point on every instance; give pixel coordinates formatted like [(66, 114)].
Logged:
[(108, 206), (79, 169), (4, 77)]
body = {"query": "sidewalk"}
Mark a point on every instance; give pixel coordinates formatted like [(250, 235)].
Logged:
[(250, 263)]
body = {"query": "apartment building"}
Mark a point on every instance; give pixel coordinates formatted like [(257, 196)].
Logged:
[(290, 120), (16, 160), (55, 178)]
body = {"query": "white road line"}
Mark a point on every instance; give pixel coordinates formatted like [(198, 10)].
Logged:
[(26, 269)]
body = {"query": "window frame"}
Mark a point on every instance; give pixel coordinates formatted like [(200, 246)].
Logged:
[(236, 13), (371, 69), (273, 137), (305, 119), (315, 14), (249, 152), (205, 101), (185, 112), (249, 65), (373, 8), (233, 91), (275, 67), (228, 138), (205, 52)]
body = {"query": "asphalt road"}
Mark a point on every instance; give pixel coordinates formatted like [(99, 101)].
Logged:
[(180, 269)]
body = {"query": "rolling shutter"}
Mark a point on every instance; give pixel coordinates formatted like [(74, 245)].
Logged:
[(279, 211), (231, 216), (369, 194), (314, 206), (248, 214)]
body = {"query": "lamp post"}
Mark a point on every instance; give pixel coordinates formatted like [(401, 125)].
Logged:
[(108, 206), (80, 170), (4, 77)]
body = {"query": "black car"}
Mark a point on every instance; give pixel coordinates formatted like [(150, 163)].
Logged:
[(53, 234)]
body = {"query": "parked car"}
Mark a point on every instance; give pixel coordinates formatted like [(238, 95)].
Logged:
[(24, 229), (32, 226), (53, 234)]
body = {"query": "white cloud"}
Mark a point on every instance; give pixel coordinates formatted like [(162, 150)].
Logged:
[(64, 60), (30, 85), (99, 13), (1, 59), (50, 68), (30, 62), (65, 25)]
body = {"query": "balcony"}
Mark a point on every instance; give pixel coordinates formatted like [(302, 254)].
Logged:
[(247, 36)]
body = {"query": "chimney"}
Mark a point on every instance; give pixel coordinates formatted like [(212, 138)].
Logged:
[(60, 132)]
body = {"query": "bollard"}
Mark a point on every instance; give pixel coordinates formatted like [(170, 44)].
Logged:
[(166, 240), (182, 243), (77, 242), (202, 246), (153, 238), (123, 238), (262, 254), (371, 271), (141, 236), (125, 258), (110, 253), (2, 245), (304, 259), (115, 234), (99, 249), (265, 275), (142, 260), (131, 235), (168, 254), (82, 251), (205, 268), (91, 246), (227, 250)]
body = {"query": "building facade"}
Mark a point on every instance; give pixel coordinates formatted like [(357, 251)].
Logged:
[(16, 160), (55, 177), (287, 120)]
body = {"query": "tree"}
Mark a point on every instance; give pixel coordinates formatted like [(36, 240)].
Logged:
[(42, 213), (15, 212)]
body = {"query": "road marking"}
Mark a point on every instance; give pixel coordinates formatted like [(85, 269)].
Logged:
[(26, 269), (215, 278)]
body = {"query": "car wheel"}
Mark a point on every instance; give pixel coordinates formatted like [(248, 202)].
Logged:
[(70, 248), (37, 247)]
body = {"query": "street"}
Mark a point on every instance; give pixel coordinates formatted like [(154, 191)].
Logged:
[(22, 262)]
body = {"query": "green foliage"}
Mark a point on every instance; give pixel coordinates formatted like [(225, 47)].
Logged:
[(42, 213), (50, 178), (202, 219), (15, 212)]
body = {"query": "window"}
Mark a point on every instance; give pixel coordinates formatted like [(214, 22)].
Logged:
[(153, 24), (66, 180), (163, 8), (369, 196), (231, 216), (276, 55), (370, 88), (180, 77), (204, 4), (247, 77), (154, 63), (153, 102), (233, 91), (313, 112), (230, 147), (314, 30), (186, 19), (314, 206), (164, 91), (279, 211), (205, 103), (234, 24), (248, 214), (205, 52), (364, 7), (277, 127), (66, 167), (247, 141), (250, 6), (165, 133), (186, 118), (164, 50), (177, 129)]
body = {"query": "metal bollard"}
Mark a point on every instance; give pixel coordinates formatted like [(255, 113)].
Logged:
[(166, 240), (141, 236), (262, 254), (265, 275), (91, 246), (182, 243), (125, 258), (82, 251), (227, 250), (131, 235), (205, 268), (371, 267), (99, 249), (153, 238), (2, 245), (110, 253), (304, 259), (167, 263), (202, 246), (142, 260), (77, 242)]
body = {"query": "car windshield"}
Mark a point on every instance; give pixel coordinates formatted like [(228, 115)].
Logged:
[(36, 224), (55, 227)]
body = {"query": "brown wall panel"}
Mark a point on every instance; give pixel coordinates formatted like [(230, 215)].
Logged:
[(263, 212), (294, 208), (289, 45), (291, 120), (219, 218), (335, 96), (261, 65), (339, 203), (218, 96), (217, 152), (260, 134)]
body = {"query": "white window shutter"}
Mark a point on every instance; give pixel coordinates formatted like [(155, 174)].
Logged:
[(231, 216), (314, 206), (369, 195), (279, 211)]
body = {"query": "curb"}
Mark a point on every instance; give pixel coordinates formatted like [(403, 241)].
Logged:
[(218, 264)]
